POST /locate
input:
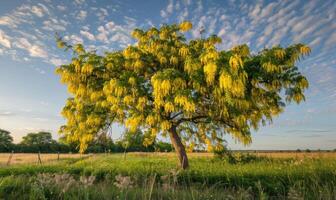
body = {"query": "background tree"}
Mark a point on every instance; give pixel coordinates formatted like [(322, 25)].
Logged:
[(135, 141), (6, 141), (185, 89), (40, 141), (163, 147), (102, 143)]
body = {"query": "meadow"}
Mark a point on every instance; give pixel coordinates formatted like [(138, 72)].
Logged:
[(261, 175)]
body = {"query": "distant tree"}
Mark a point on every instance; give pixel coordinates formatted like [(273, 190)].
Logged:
[(135, 141), (188, 90), (102, 143), (6, 141), (40, 138), (163, 146), (40, 141)]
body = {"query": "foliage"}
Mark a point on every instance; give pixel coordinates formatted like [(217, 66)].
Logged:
[(103, 143), (134, 141), (40, 138), (165, 82), (163, 147), (6, 141)]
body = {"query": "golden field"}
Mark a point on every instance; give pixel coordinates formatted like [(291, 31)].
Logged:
[(22, 158)]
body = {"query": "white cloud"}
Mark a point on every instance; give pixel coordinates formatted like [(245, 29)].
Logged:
[(170, 7), (8, 21), (34, 50), (37, 51), (121, 38), (110, 26), (74, 39), (88, 35), (57, 61), (37, 10), (103, 34), (81, 15), (168, 10), (163, 14), (196, 32), (4, 39), (61, 8), (53, 25), (86, 28), (102, 13), (183, 15)]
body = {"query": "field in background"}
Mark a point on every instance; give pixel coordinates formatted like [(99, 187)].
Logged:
[(22, 158)]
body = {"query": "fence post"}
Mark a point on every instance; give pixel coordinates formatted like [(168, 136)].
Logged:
[(39, 158), (58, 155), (10, 158)]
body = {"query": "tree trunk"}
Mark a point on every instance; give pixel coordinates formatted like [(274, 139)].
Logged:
[(179, 148)]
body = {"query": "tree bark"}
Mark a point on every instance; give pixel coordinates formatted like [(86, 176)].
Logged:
[(179, 148)]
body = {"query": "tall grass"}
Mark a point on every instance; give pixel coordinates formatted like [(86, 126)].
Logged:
[(158, 177)]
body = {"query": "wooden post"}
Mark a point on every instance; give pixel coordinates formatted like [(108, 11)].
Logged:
[(39, 158), (58, 155), (10, 158)]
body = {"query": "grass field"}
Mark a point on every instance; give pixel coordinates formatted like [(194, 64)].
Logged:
[(24, 158), (156, 176)]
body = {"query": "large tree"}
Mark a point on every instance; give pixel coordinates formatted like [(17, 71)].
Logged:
[(188, 90), (6, 140)]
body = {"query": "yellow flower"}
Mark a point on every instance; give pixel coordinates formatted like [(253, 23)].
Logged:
[(235, 62), (225, 81), (185, 26), (210, 72), (169, 107), (279, 53), (165, 125), (305, 50)]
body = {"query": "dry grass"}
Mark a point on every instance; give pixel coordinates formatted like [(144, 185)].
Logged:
[(21, 158)]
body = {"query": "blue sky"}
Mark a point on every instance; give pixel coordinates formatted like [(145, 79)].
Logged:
[(31, 96)]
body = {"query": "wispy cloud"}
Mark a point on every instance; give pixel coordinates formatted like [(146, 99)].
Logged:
[(88, 35), (33, 49), (6, 113), (4, 40), (81, 15)]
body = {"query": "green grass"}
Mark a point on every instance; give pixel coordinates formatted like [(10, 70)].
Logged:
[(206, 177)]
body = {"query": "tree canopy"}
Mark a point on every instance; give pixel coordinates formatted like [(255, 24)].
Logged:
[(6, 140), (39, 138), (187, 89)]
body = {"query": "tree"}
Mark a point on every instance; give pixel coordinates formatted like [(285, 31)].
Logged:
[(135, 141), (41, 141), (102, 143), (6, 140), (163, 147), (188, 90)]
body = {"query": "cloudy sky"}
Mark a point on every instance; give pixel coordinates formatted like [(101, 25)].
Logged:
[(31, 96)]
